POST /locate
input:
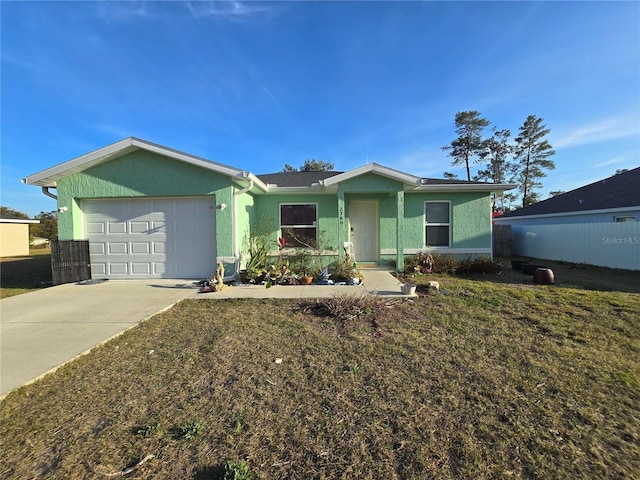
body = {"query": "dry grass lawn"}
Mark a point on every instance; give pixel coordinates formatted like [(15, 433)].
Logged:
[(487, 380)]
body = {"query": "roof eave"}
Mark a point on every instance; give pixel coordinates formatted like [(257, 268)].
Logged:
[(50, 176), (460, 187), (372, 168), (598, 211)]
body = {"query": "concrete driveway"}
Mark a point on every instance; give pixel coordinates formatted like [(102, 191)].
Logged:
[(42, 330)]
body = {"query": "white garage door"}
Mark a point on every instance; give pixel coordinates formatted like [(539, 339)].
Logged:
[(151, 238)]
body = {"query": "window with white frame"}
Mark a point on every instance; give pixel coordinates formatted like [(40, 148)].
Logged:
[(299, 224), (625, 218), (437, 220)]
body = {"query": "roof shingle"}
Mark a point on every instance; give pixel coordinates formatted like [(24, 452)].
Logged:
[(618, 191)]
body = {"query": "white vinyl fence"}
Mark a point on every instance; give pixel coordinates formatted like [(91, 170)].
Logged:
[(613, 245)]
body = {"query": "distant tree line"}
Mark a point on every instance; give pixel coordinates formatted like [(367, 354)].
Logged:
[(523, 162), (47, 228)]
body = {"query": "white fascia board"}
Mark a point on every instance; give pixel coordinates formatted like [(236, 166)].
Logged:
[(18, 220), (601, 211), (50, 176), (475, 187), (372, 168)]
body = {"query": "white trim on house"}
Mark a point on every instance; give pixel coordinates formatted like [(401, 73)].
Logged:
[(372, 168), (50, 176), (427, 223), (476, 187), (315, 222), (314, 189), (566, 214)]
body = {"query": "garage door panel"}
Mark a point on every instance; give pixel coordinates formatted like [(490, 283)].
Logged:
[(146, 238), (138, 248), (140, 227), (95, 227), (143, 268), (98, 269), (114, 228), (116, 248), (118, 268), (97, 247)]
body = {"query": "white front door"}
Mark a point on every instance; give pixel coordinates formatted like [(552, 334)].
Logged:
[(363, 223)]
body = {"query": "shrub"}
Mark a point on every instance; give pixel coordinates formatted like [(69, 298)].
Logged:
[(478, 265), (189, 431), (237, 471), (344, 269), (436, 263)]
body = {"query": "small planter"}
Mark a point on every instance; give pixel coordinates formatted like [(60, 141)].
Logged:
[(408, 288), (544, 276), (307, 280)]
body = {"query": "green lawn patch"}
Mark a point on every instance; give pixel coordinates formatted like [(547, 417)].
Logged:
[(487, 380)]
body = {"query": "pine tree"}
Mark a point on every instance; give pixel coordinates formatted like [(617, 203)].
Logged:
[(469, 142), (532, 152), (496, 152)]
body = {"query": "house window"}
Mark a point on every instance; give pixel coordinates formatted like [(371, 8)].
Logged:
[(299, 224), (625, 219), (437, 224)]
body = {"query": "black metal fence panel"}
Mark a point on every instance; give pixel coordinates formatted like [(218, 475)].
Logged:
[(70, 261)]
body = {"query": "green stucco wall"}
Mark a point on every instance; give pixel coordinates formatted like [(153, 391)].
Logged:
[(267, 215), (245, 217), (144, 174), (370, 183), (470, 219)]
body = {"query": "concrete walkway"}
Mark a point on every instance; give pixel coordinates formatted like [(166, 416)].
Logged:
[(41, 330)]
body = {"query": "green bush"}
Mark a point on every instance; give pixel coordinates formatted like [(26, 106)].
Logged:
[(440, 263), (237, 471)]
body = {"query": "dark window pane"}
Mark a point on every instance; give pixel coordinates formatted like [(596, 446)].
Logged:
[(438, 212), (300, 237), (298, 214), (437, 236)]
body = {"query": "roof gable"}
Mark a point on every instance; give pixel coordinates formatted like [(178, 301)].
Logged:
[(619, 191), (50, 176), (372, 168)]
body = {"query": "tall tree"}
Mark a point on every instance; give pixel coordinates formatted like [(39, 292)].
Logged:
[(310, 165), (499, 169), (10, 212), (532, 152), (468, 144), (48, 226)]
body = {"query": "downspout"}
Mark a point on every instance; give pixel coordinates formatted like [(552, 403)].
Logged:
[(46, 191), (234, 229)]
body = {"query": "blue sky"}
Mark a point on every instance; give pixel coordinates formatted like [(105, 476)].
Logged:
[(256, 85)]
